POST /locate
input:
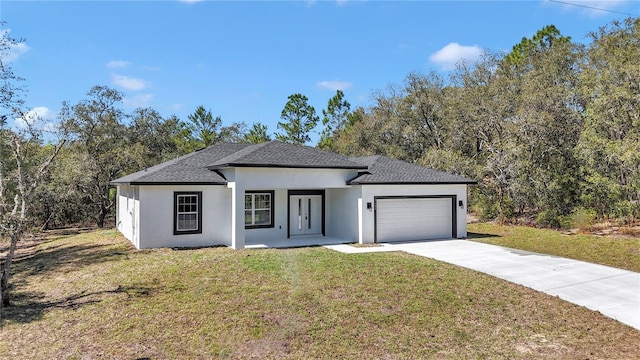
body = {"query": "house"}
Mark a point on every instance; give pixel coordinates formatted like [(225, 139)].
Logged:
[(243, 195)]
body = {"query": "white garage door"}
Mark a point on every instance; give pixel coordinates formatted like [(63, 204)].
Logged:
[(405, 219)]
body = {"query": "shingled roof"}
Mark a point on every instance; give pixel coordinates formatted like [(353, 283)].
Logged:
[(278, 154), (385, 170), (187, 169), (201, 167)]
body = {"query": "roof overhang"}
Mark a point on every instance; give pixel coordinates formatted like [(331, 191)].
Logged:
[(355, 182), (164, 183), (242, 165)]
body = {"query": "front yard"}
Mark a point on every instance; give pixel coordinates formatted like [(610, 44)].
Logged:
[(620, 252), (92, 296)]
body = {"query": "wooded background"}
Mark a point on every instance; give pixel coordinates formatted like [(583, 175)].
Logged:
[(551, 132)]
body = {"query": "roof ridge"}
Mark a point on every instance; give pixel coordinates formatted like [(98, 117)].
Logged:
[(275, 153), (248, 150), (363, 159)]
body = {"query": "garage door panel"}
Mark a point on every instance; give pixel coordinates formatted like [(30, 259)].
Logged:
[(406, 219)]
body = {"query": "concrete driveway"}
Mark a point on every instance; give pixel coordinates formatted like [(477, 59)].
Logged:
[(613, 292)]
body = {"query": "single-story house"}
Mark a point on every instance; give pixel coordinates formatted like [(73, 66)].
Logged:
[(277, 193)]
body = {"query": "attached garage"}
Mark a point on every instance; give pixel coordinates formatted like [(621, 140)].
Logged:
[(407, 218)]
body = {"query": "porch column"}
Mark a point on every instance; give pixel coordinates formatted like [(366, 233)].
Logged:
[(237, 215), (360, 240)]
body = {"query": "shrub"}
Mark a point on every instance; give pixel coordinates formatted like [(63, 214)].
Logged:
[(583, 219), (484, 209), (626, 211), (551, 219)]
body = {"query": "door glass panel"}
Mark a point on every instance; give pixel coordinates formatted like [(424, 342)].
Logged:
[(299, 214), (309, 213)]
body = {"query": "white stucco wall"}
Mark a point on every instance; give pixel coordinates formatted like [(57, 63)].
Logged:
[(284, 178), (370, 191), (157, 211), (127, 214), (279, 231), (342, 213), (123, 218)]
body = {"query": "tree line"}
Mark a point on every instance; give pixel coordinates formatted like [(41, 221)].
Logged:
[(551, 131), (547, 129)]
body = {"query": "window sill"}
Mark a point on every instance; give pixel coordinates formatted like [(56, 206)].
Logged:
[(258, 226), (187, 232)]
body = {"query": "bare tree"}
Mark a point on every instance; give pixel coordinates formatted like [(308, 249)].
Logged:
[(21, 172), (23, 162)]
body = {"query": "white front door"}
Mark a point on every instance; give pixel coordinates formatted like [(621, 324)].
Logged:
[(306, 214)]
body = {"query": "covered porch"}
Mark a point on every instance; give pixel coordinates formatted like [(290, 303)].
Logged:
[(295, 241), (291, 207)]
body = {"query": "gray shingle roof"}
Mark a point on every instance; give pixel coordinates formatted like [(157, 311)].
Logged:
[(278, 154), (385, 170), (199, 167), (187, 169)]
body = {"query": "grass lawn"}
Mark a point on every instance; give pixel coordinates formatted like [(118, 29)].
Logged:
[(623, 253), (91, 296)]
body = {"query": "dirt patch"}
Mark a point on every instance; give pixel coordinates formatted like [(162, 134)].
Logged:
[(539, 344), (472, 218), (262, 349)]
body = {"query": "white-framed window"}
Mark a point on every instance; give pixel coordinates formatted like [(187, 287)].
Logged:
[(258, 209), (187, 213)]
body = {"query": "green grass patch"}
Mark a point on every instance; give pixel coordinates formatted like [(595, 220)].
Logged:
[(93, 296), (623, 253)]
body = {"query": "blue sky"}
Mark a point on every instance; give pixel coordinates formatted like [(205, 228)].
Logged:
[(242, 59)]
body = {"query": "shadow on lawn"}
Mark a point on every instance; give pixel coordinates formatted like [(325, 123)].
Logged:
[(32, 259), (472, 235), (64, 258), (30, 307)]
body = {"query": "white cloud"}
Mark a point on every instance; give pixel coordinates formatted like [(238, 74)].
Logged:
[(448, 56), (142, 100), (334, 85), (14, 51), (129, 83), (341, 2), (118, 64), (190, 1), (39, 116)]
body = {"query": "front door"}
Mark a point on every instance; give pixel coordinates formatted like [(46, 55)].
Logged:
[(306, 214)]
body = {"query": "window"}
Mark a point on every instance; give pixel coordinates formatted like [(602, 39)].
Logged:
[(187, 213), (258, 209)]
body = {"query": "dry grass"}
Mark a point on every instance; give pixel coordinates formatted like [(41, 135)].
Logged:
[(620, 252), (91, 296)]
